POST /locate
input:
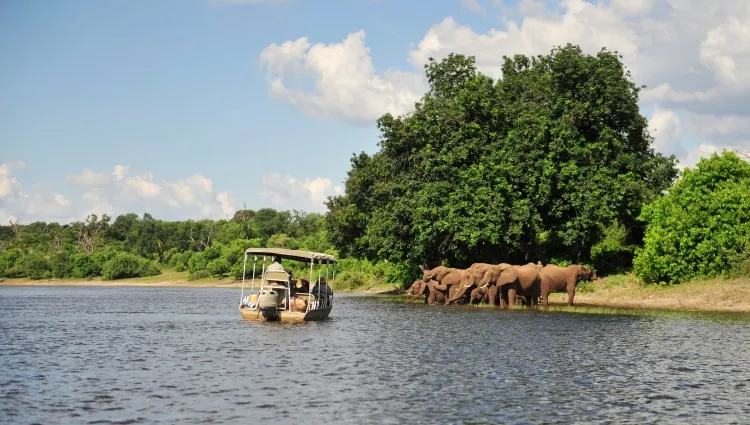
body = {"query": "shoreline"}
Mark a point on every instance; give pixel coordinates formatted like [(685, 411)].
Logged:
[(622, 292)]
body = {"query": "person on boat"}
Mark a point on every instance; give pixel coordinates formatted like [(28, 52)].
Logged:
[(275, 265), (325, 290)]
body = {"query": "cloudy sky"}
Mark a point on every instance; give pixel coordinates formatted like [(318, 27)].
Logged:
[(194, 108)]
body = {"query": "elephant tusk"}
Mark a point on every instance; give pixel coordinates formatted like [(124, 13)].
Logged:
[(467, 286)]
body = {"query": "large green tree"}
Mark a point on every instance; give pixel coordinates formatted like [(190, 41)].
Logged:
[(534, 165)]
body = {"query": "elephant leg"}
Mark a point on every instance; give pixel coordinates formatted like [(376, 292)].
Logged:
[(511, 297), (503, 297), (545, 299), (492, 295), (571, 292)]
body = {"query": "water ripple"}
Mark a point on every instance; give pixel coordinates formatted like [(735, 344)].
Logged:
[(167, 355)]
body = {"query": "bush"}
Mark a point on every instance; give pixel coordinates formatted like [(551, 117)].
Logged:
[(11, 263), (122, 266), (218, 267), (197, 262), (700, 225), (84, 266), (62, 266), (35, 266), (612, 254), (148, 268), (179, 261), (740, 263), (353, 279)]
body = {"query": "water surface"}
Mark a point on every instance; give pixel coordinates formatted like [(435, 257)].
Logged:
[(169, 355)]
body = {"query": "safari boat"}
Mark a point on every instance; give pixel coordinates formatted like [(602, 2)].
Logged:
[(279, 298)]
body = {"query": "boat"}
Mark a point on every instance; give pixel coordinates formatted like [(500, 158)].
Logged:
[(278, 298)]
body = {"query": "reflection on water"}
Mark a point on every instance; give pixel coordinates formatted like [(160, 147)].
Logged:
[(167, 355)]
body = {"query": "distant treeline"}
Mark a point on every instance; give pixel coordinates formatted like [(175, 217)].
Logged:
[(133, 246)]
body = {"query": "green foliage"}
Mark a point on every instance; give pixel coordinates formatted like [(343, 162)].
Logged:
[(197, 262), (36, 266), (535, 165), (612, 254), (700, 226), (84, 266), (125, 265), (148, 268), (201, 274), (62, 265), (179, 261), (218, 267), (10, 263)]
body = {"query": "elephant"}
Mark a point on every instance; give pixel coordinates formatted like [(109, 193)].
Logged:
[(419, 288), (506, 282), (561, 279), (441, 281), (486, 280)]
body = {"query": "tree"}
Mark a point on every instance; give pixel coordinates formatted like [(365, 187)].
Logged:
[(91, 232), (534, 165), (700, 225)]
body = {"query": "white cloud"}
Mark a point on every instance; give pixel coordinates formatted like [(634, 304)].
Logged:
[(344, 79), (694, 56), (15, 203), (665, 127), (474, 6), (113, 193), (306, 195), (226, 200)]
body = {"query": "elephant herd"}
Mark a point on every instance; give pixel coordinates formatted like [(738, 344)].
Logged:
[(498, 283)]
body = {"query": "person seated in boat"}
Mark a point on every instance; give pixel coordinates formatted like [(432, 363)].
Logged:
[(304, 286), (325, 290), (275, 265)]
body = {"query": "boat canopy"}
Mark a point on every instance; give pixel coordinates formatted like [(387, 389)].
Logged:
[(292, 254)]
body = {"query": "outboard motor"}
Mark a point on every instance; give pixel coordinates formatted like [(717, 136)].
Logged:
[(269, 298)]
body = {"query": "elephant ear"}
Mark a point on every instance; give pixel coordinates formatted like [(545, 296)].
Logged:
[(507, 275)]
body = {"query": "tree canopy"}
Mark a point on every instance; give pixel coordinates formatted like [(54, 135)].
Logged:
[(536, 165), (701, 226)]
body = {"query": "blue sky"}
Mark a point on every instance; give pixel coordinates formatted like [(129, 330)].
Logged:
[(173, 89)]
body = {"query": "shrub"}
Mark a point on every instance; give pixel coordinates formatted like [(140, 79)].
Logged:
[(148, 268), (10, 263), (218, 267), (353, 279), (612, 254), (36, 266), (179, 261), (62, 266), (701, 224), (122, 266), (197, 262), (84, 266)]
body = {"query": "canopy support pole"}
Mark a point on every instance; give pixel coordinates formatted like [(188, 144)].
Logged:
[(242, 293)]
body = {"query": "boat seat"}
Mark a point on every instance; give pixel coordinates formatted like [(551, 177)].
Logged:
[(277, 276)]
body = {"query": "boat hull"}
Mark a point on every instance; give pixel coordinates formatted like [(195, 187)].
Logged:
[(257, 315)]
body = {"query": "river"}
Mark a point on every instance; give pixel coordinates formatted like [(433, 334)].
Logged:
[(184, 355)]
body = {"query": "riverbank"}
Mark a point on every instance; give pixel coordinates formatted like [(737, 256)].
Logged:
[(626, 291), (175, 279), (622, 291)]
